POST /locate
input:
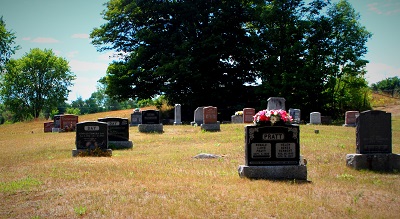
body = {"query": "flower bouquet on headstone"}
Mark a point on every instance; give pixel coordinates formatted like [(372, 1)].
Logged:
[(239, 113), (272, 117)]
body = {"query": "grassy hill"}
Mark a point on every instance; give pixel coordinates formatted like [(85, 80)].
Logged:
[(159, 178)]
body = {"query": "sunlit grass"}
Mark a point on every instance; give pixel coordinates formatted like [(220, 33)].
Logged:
[(159, 178)]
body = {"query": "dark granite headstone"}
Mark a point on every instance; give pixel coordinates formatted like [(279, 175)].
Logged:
[(118, 128), (48, 126), (136, 118), (150, 117), (91, 135), (272, 145), (374, 132)]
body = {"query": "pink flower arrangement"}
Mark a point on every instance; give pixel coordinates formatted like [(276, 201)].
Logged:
[(272, 116)]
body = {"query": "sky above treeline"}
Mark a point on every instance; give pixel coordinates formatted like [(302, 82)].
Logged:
[(64, 27)]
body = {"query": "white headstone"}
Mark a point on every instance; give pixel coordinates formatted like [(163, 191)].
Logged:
[(275, 103), (178, 120), (315, 118)]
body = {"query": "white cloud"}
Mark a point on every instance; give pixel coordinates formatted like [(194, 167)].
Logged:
[(44, 40), (26, 38), (388, 7), (72, 54), (80, 36), (380, 71)]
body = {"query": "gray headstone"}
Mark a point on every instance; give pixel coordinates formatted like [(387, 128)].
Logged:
[(136, 118), (374, 132), (118, 128), (295, 114), (198, 116), (275, 103), (178, 115), (315, 118)]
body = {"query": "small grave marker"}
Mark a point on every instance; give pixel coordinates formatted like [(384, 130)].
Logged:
[(248, 115)]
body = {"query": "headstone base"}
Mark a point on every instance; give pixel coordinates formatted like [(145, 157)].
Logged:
[(236, 119), (133, 124), (211, 127), (55, 130), (298, 172), (195, 124), (376, 162), (349, 125), (120, 144), (150, 128), (177, 123), (86, 153)]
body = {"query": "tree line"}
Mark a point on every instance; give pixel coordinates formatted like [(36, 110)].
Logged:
[(226, 53)]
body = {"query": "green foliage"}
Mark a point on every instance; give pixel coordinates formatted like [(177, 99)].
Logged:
[(389, 85), (38, 81), (74, 111), (22, 184), (192, 51), (7, 47), (53, 113)]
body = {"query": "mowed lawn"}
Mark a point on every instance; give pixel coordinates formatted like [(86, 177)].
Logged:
[(159, 178)]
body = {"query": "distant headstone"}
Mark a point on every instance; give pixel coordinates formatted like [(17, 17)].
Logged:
[(198, 116), (210, 121), (296, 115), (57, 123), (151, 121), (48, 126), (237, 119), (91, 136), (248, 115), (68, 122), (136, 118), (374, 132), (315, 118), (150, 117), (275, 103), (326, 120), (374, 143), (273, 152), (118, 132), (351, 118), (178, 115)]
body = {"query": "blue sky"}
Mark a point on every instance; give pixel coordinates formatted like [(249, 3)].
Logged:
[(64, 27)]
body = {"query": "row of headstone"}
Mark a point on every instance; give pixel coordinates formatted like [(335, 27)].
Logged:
[(246, 116), (104, 135), (61, 123)]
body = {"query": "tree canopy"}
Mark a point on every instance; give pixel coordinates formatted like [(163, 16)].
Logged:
[(37, 82), (233, 53), (7, 47)]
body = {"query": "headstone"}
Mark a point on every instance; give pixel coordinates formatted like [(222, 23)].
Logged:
[(315, 118), (198, 116), (248, 115), (118, 132), (68, 122), (91, 137), (374, 132), (151, 121), (57, 125), (48, 126), (275, 103), (136, 118), (326, 120), (178, 115), (351, 118), (237, 119), (295, 114), (273, 152), (210, 121), (374, 143)]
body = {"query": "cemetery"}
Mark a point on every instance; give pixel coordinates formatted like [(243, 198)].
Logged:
[(273, 167)]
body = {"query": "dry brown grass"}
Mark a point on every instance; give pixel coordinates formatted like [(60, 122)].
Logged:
[(158, 178)]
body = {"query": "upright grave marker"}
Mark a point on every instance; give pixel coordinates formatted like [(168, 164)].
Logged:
[(57, 124), (248, 115), (178, 115), (68, 122), (198, 117), (374, 143), (118, 132), (296, 115), (315, 118), (275, 103), (48, 126), (210, 122), (136, 117), (150, 121), (351, 118), (91, 139)]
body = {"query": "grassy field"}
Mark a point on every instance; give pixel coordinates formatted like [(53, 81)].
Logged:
[(159, 178)]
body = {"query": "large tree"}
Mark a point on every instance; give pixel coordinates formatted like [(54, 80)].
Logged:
[(194, 52), (7, 47), (38, 81)]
